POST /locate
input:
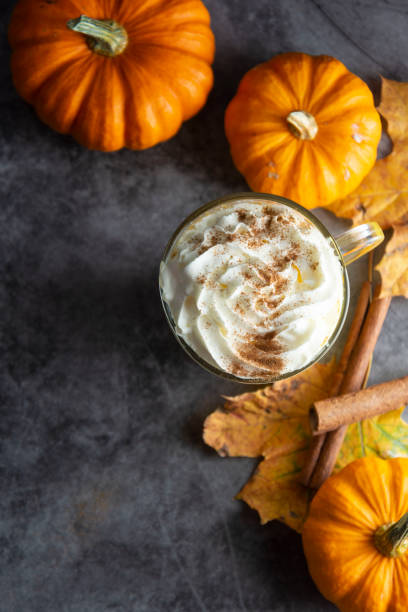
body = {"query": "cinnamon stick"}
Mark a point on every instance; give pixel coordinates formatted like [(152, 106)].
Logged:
[(359, 314), (355, 328), (353, 380), (331, 413), (312, 458)]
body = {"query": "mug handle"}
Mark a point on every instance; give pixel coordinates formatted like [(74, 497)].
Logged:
[(359, 240)]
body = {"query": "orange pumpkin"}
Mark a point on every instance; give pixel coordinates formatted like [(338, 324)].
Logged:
[(113, 73), (303, 127), (356, 537)]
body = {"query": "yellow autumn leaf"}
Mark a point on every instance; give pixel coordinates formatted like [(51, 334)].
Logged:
[(385, 436), (383, 194), (393, 266), (273, 423)]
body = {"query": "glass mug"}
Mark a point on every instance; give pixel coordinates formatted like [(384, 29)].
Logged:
[(348, 246)]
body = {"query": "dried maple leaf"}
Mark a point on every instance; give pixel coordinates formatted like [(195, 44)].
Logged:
[(385, 436), (393, 266), (383, 194), (273, 423)]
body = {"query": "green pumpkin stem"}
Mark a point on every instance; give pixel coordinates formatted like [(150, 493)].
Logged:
[(392, 539), (105, 37)]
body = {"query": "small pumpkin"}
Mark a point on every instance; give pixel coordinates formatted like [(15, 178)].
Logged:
[(356, 536), (113, 74), (303, 127)]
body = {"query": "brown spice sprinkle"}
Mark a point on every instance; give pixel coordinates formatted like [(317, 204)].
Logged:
[(245, 217), (269, 303), (238, 308), (246, 372), (263, 352), (239, 370), (266, 342), (271, 224), (194, 241), (215, 238)]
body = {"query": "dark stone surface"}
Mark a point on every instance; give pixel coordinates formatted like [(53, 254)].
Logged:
[(110, 501)]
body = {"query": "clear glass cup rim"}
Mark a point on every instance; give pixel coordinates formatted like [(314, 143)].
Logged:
[(318, 224)]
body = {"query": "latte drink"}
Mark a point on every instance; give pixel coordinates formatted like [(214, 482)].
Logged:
[(254, 288)]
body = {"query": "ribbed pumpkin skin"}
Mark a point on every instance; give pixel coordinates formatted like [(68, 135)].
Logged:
[(136, 99), (272, 159), (338, 536)]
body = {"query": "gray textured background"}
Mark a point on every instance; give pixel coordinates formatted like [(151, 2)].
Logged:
[(109, 499)]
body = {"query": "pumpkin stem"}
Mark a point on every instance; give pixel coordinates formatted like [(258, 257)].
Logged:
[(302, 124), (105, 37), (392, 539)]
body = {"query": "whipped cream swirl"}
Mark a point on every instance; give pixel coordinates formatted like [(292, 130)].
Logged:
[(254, 288)]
